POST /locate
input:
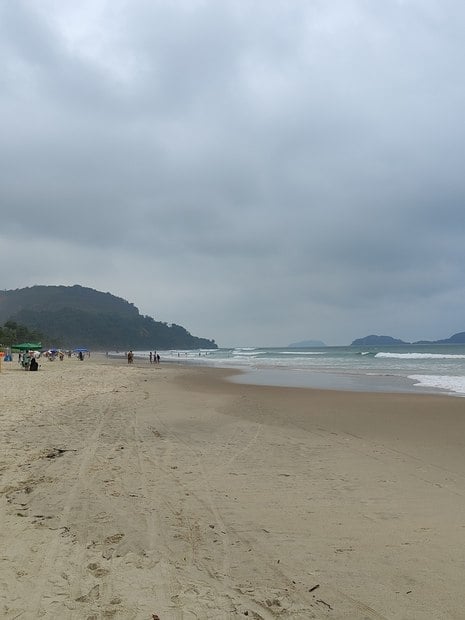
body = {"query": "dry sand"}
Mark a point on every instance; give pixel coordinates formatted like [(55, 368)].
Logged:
[(165, 492)]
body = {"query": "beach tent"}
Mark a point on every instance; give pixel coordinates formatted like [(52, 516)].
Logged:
[(27, 346)]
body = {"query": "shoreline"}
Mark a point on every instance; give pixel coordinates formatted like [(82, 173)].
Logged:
[(323, 379), (129, 491), (331, 378), (335, 381), (438, 369), (313, 379)]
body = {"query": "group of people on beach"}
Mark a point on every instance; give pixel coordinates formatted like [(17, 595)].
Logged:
[(154, 357), (28, 360)]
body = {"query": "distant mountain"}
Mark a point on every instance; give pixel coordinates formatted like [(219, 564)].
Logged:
[(374, 341), (79, 316), (458, 338), (307, 343)]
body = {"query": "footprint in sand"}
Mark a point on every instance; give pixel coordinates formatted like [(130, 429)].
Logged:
[(92, 595), (114, 538), (97, 570)]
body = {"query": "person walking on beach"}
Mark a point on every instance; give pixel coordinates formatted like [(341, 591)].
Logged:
[(151, 357), (130, 357), (158, 359)]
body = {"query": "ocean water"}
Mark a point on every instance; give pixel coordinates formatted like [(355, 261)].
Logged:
[(406, 368)]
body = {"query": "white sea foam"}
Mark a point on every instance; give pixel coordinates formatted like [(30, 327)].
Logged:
[(245, 352), (421, 356), (302, 353), (450, 383), (431, 369)]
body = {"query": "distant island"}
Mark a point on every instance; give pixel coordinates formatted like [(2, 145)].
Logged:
[(72, 316), (376, 341), (307, 343), (373, 341)]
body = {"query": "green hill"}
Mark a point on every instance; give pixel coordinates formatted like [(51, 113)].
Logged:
[(72, 316)]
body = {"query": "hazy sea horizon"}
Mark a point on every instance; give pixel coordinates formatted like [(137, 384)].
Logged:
[(423, 368)]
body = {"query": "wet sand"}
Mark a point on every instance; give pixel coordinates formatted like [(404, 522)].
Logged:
[(134, 491)]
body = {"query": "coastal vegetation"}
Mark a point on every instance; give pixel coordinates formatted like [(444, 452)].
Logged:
[(79, 316), (12, 333)]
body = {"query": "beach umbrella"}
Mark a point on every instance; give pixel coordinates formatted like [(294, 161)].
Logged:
[(27, 346), (80, 350)]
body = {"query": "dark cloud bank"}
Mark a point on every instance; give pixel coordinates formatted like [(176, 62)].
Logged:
[(260, 173)]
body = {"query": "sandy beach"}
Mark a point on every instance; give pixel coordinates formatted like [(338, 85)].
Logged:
[(166, 492)]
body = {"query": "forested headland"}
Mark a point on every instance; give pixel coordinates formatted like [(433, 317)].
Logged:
[(70, 316)]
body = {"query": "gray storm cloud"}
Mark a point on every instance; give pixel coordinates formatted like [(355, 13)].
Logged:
[(260, 173)]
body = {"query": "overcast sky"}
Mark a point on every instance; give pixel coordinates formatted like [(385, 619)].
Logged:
[(260, 172)]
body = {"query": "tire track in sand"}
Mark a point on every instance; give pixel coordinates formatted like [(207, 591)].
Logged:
[(210, 587), (52, 557)]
